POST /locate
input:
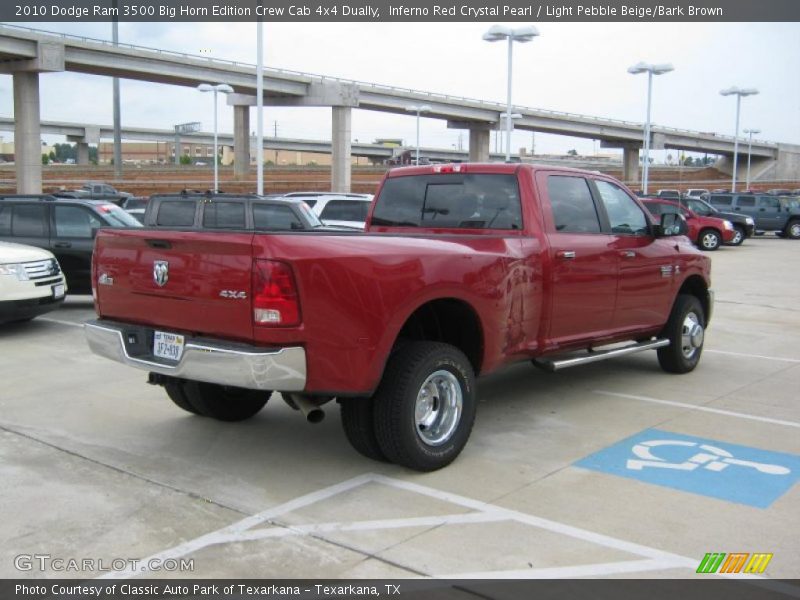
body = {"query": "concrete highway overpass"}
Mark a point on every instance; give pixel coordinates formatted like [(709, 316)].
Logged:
[(26, 53)]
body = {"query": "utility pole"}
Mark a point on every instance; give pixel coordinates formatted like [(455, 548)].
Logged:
[(115, 84)]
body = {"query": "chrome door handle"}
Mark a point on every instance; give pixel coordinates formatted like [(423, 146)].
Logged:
[(628, 254), (566, 254)]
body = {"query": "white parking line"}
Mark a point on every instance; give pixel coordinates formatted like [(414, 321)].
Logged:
[(718, 411), (746, 355), (261, 526), (60, 322)]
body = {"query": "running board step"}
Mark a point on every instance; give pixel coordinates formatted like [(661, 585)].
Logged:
[(557, 365)]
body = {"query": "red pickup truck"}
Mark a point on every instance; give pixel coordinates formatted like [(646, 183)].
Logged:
[(462, 269)]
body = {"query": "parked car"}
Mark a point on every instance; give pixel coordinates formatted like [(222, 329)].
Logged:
[(743, 225), (65, 227), (197, 210), (31, 282), (671, 194), (696, 192), (708, 233), (462, 269), (340, 211), (779, 192), (96, 191), (769, 213)]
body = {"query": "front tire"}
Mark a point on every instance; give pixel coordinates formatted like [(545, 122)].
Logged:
[(224, 403), (709, 240), (685, 330), (425, 405), (739, 236)]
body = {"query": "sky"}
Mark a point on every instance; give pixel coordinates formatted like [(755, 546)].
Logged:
[(571, 67)]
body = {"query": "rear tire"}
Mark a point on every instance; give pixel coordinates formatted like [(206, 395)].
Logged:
[(793, 229), (709, 240), (739, 235), (358, 422), (176, 394), (425, 405), (685, 330), (224, 403)]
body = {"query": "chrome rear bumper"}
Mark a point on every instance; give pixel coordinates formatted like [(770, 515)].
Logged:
[(213, 361)]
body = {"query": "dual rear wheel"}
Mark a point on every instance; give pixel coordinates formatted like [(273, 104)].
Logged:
[(224, 403)]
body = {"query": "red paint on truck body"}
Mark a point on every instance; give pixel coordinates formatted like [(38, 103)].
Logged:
[(356, 290)]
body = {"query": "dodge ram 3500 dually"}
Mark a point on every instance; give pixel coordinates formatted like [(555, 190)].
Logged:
[(461, 269)]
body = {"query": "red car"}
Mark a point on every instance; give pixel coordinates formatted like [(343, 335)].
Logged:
[(708, 233)]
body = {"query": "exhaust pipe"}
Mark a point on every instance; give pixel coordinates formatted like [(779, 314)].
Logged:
[(312, 412)]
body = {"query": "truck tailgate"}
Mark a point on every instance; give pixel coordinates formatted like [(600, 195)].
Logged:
[(196, 282)]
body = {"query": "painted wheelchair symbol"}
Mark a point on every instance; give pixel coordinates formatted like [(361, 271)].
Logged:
[(711, 458)]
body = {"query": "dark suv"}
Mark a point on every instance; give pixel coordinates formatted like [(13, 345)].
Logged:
[(198, 210), (65, 227), (769, 213)]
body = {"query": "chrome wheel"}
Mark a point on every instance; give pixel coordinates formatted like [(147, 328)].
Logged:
[(438, 408), (709, 240), (692, 335), (738, 237), (794, 230)]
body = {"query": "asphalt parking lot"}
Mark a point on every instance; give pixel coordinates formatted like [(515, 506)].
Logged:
[(610, 470)]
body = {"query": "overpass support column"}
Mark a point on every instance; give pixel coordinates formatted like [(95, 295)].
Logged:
[(27, 133), (479, 144), (341, 163), (630, 164), (241, 140), (83, 153)]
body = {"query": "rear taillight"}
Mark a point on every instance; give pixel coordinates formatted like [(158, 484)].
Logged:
[(275, 300), (449, 168)]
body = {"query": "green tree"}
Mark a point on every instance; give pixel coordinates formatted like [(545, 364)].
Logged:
[(45, 159), (572, 152), (185, 159)]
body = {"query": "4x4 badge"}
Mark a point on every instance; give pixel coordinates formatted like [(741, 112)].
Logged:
[(161, 272)]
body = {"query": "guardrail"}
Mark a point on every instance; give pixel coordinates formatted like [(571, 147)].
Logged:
[(373, 86)]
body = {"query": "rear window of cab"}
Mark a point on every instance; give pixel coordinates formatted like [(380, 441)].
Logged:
[(454, 201)]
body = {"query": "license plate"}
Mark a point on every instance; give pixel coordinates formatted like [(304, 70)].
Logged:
[(58, 290), (168, 345)]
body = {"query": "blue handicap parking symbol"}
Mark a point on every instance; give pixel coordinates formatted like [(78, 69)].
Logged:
[(709, 467)]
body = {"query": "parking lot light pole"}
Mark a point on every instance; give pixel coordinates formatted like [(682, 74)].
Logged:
[(739, 93), (497, 33), (651, 70), (418, 108), (750, 133), (219, 88)]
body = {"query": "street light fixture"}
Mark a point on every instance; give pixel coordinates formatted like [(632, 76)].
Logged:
[(223, 88), (418, 108), (651, 70), (498, 33), (739, 93), (750, 133)]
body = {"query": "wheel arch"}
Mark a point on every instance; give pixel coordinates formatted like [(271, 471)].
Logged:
[(696, 286), (450, 320)]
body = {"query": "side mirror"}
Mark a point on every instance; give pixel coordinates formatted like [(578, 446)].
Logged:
[(672, 224)]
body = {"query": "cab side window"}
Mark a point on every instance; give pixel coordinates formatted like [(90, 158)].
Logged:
[(28, 220), (624, 215), (771, 203), (75, 222), (573, 207)]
